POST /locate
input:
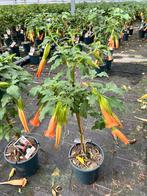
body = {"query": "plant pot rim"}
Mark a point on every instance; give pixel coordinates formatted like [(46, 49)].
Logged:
[(21, 162), (86, 170)]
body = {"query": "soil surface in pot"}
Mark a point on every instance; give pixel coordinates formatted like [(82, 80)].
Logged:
[(16, 152), (88, 161)]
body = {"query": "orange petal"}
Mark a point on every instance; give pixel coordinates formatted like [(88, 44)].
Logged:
[(50, 132), (23, 120), (120, 135), (116, 44), (35, 121), (58, 134), (110, 119), (40, 68)]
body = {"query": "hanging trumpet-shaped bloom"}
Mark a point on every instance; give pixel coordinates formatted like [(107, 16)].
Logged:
[(116, 43), (35, 121), (110, 118), (58, 134), (50, 132), (23, 120), (43, 60), (111, 43), (40, 68), (118, 134), (22, 116)]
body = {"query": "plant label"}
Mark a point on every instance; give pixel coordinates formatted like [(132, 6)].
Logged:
[(13, 44), (6, 36), (8, 31), (29, 152), (32, 50)]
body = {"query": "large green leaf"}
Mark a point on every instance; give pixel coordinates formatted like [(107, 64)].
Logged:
[(13, 91)]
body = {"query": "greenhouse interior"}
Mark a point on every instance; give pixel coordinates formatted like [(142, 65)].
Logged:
[(73, 98)]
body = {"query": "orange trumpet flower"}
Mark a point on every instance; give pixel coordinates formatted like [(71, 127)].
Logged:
[(50, 132), (58, 134), (116, 43), (118, 134), (23, 120), (35, 121), (40, 68), (111, 120), (111, 43)]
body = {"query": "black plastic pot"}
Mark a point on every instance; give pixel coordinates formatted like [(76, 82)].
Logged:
[(8, 41), (27, 47), (38, 42), (34, 60), (22, 37), (108, 65), (88, 40), (23, 61), (27, 167), (130, 31), (86, 176), (125, 37), (15, 50), (141, 34)]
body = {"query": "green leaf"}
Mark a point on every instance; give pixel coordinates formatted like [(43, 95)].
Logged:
[(35, 90), (55, 64), (2, 113), (13, 91), (1, 132), (5, 99)]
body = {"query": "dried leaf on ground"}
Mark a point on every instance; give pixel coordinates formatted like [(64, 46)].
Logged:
[(80, 159), (18, 182), (56, 172), (11, 174)]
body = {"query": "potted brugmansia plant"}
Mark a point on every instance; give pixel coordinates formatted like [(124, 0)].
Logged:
[(14, 81), (65, 95)]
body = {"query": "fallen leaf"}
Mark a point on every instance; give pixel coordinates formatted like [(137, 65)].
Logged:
[(80, 159), (56, 172), (129, 187), (19, 190), (54, 192), (142, 119), (11, 174), (19, 182)]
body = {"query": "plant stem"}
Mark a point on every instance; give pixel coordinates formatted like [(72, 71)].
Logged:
[(73, 75), (81, 130)]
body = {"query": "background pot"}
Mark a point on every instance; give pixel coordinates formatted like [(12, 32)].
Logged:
[(141, 33), (130, 31), (86, 176), (34, 59), (8, 41), (27, 167), (125, 37), (27, 47), (15, 50)]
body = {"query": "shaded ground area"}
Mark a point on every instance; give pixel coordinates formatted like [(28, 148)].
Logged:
[(124, 169)]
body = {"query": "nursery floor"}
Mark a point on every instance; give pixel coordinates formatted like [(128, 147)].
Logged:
[(124, 171)]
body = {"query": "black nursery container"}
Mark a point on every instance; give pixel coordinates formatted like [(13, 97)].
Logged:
[(130, 31), (34, 59), (27, 167), (125, 37), (141, 34), (88, 40), (86, 176), (27, 47), (8, 41), (15, 50)]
